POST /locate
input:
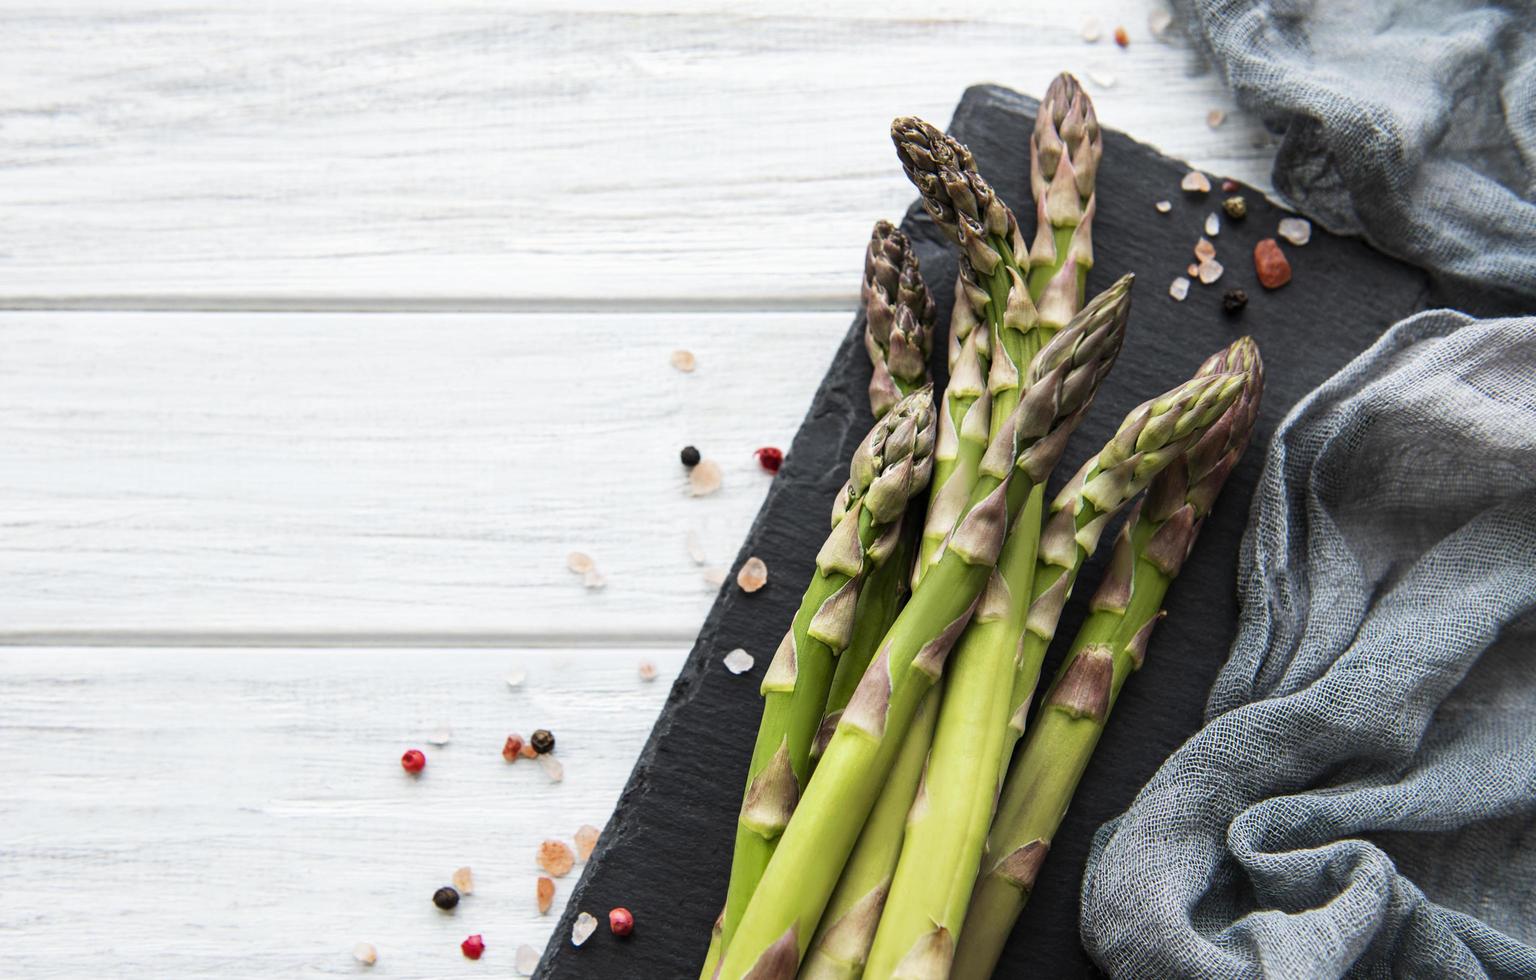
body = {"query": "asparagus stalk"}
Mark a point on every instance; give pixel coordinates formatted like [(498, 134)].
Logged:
[(847, 929), (1112, 642), (890, 466), (941, 851), (784, 910), (990, 295), (898, 321)]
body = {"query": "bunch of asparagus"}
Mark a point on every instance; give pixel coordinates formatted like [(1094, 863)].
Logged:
[(886, 829)]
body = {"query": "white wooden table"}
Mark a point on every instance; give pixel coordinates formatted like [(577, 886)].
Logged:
[(327, 332)]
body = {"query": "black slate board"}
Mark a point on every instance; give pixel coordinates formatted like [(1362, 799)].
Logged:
[(666, 852)]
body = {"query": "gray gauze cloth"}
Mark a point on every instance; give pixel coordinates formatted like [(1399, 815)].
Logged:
[(1362, 798), (1412, 122)]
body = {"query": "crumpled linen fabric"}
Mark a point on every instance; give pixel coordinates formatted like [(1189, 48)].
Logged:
[(1411, 122), (1362, 799)]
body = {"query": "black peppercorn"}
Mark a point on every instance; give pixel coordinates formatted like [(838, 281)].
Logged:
[(542, 741), (1233, 301), (690, 457), (445, 898), (1236, 207)]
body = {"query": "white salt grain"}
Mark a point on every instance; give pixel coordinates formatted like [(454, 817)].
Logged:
[(753, 574), (1091, 31), (1164, 207), (714, 576), (1102, 79), (1179, 289), (365, 954), (579, 562), (582, 928), (527, 961), (1212, 224), (551, 766), (1210, 271), (684, 361), (696, 549), (1158, 22), (704, 479), (739, 661), (1297, 231), (593, 579), (516, 678), (440, 737), (647, 670), (1195, 182)]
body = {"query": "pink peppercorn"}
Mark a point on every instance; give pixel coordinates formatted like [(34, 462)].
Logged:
[(770, 458), (413, 761), (473, 946), (621, 921)]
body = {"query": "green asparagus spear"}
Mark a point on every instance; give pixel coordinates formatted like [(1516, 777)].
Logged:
[(898, 327), (891, 465), (784, 910), (990, 296), (1148, 554)]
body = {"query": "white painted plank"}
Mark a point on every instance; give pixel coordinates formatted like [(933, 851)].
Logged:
[(352, 477), (187, 813), (346, 155)]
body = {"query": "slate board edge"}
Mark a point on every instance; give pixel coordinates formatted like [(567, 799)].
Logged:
[(840, 416)]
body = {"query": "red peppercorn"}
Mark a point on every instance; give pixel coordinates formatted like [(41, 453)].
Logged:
[(413, 761), (513, 748), (1229, 185), (621, 921), (1271, 265), (1122, 38), (473, 946), (770, 458)]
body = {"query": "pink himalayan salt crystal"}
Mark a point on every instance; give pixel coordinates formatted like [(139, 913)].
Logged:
[(1210, 271), (464, 881), (705, 478), (1163, 207), (684, 361), (714, 576), (1215, 118), (556, 857), (1179, 289), (647, 670), (739, 661), (527, 961), (1195, 182), (586, 840), (1297, 231), (1204, 250), (552, 766), (365, 954), (696, 549), (753, 574), (579, 562)]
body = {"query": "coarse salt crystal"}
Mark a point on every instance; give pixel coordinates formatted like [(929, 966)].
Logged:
[(696, 549), (1158, 22), (527, 961), (1091, 31), (586, 840), (1204, 250), (516, 678), (738, 661), (1193, 269), (556, 857), (1179, 288), (1102, 79), (551, 766), (647, 670), (704, 479), (440, 737), (464, 881), (715, 576), (1210, 271), (684, 360), (1212, 224), (1164, 206), (593, 579), (1195, 182), (1297, 231), (544, 892), (579, 562), (365, 954), (582, 929), (1215, 118), (753, 574)]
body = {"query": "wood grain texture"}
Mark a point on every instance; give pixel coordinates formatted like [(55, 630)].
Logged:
[(175, 813), (381, 477), (732, 155)]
